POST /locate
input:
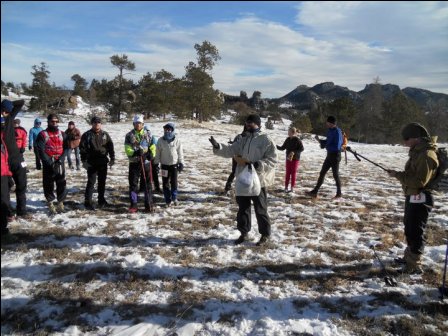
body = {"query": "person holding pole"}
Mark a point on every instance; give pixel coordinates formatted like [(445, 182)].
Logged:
[(137, 148)]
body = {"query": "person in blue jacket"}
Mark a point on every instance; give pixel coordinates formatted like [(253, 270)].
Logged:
[(34, 132), (333, 145)]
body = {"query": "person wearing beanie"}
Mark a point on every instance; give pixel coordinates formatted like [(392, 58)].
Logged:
[(52, 144), (34, 132), (17, 164), (294, 147), (258, 150), (137, 146), (170, 155), (95, 147), (73, 139), (333, 145), (418, 171)]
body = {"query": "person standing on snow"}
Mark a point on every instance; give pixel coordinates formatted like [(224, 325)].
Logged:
[(94, 147), (73, 139), (137, 148), (5, 176), (21, 136), (34, 132), (333, 145), (51, 144), (294, 147), (258, 149), (419, 170), (170, 155), (15, 159)]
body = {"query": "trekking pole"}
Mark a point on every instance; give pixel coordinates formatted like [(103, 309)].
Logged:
[(357, 156), (389, 280), (443, 289), (144, 177)]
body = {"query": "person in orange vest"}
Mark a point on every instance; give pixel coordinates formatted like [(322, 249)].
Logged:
[(51, 144)]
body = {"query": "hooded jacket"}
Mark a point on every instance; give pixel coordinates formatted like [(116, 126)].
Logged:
[(420, 168), (256, 147)]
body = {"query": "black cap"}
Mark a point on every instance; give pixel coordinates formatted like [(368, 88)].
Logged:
[(255, 118), (331, 120), (95, 120)]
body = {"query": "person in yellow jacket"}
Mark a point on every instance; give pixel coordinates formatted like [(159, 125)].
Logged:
[(137, 146), (418, 172)]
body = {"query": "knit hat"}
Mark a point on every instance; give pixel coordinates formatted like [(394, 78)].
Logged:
[(331, 120), (17, 121), (95, 120), (255, 118), (71, 122), (414, 130), (7, 105)]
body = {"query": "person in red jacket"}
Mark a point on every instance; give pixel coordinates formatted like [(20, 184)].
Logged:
[(5, 175), (21, 136), (51, 144)]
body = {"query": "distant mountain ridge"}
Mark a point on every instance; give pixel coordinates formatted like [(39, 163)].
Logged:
[(304, 97)]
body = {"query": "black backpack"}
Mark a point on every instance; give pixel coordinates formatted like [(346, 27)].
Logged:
[(440, 180)]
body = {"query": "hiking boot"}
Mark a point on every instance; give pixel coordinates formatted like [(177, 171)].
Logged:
[(175, 203), (311, 193), (103, 204), (78, 168), (337, 196), (286, 190), (263, 240), (133, 208), (149, 208), (89, 206), (51, 208), (60, 207), (413, 263), (242, 238), (71, 167)]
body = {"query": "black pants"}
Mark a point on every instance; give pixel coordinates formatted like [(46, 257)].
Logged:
[(243, 217), (169, 182), (415, 219), (93, 172), (38, 161), (135, 172), (20, 179), (231, 176), (5, 202), (154, 177), (331, 161), (50, 179)]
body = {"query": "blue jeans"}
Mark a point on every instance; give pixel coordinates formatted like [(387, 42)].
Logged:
[(69, 157)]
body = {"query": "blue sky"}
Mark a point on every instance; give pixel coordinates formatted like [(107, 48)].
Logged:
[(267, 46)]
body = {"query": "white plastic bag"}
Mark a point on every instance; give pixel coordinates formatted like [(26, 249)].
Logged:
[(247, 182)]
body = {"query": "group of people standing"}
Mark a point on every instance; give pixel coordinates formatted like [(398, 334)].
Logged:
[(149, 156)]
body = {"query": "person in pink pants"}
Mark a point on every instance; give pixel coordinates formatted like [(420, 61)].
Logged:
[(294, 147)]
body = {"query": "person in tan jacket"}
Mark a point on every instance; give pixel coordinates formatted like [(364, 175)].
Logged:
[(418, 172), (73, 140)]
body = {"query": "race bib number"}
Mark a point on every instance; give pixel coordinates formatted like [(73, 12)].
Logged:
[(419, 198), (164, 173)]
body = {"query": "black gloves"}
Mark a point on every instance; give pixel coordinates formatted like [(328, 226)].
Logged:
[(22, 150), (111, 162), (85, 165), (138, 152), (213, 142), (58, 168), (180, 167)]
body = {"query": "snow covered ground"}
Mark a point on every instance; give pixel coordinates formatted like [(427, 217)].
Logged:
[(177, 272)]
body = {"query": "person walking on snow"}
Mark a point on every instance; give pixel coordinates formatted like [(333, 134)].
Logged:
[(51, 144), (419, 170), (333, 145), (73, 139), (95, 147), (170, 155), (294, 147), (34, 132), (137, 148), (257, 149)]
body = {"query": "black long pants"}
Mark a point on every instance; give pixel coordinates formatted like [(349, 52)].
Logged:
[(415, 219), (20, 179), (135, 173), (331, 161), (243, 217), (94, 172), (169, 182), (49, 179), (5, 202), (37, 157)]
